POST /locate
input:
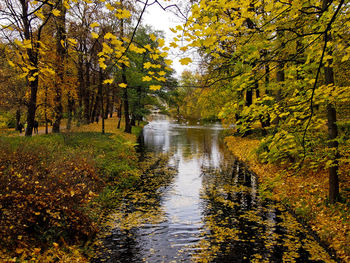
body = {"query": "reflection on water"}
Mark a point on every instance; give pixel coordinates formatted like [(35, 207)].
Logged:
[(210, 212)]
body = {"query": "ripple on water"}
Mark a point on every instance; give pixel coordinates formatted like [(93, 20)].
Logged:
[(210, 212)]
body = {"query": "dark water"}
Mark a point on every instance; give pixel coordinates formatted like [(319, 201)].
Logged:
[(210, 212)]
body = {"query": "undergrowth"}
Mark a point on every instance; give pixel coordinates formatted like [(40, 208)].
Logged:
[(53, 189)]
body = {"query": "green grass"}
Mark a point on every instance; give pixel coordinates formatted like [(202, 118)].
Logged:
[(86, 172)]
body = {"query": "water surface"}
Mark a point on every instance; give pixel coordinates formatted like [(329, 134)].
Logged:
[(209, 212)]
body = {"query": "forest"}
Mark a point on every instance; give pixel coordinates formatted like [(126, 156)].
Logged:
[(276, 74)]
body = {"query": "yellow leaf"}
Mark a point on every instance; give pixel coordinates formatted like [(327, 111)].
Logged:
[(94, 24), (37, 250), (109, 7), (122, 85), (19, 250), (154, 56), (153, 37), (109, 35), (161, 42), (154, 87), (11, 63), (146, 78), (56, 12), (94, 35), (179, 28), (31, 79), (18, 43), (108, 81), (102, 64), (126, 14), (40, 14), (148, 47), (72, 41), (173, 44), (184, 48), (345, 58), (107, 49), (168, 61), (147, 65), (185, 61), (66, 4), (27, 43), (173, 30), (161, 73)]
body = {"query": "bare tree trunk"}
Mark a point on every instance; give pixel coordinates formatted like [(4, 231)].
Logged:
[(60, 66), (18, 118), (111, 108), (32, 107), (105, 114), (70, 112), (45, 110), (332, 126), (33, 59), (120, 113), (87, 94), (100, 89)]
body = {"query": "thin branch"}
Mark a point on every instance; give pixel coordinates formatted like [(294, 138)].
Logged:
[(132, 36), (329, 26)]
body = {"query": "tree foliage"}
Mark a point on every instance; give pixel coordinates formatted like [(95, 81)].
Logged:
[(278, 65)]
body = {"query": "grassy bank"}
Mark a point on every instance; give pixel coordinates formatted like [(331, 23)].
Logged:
[(305, 194), (55, 188)]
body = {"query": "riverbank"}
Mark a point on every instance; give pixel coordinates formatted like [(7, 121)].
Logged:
[(56, 188), (305, 195)]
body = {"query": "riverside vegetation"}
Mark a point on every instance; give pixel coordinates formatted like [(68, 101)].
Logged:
[(304, 194), (57, 189)]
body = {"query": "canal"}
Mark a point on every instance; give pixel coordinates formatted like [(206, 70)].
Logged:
[(209, 210)]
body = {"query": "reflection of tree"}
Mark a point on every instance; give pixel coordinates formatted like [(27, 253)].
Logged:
[(244, 228)]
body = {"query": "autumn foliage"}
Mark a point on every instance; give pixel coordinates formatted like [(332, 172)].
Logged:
[(41, 199), (51, 198)]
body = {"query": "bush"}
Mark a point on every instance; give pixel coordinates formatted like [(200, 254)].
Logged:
[(46, 183), (41, 199)]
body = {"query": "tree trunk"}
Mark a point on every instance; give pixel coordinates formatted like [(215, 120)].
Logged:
[(249, 97), (333, 144), (32, 106), (126, 111), (133, 120), (105, 114), (332, 126), (81, 89), (95, 109), (45, 110), (33, 59), (120, 113), (87, 94), (60, 65), (18, 118), (100, 90), (70, 111)]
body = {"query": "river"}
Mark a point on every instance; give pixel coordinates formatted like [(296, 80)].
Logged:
[(210, 211)]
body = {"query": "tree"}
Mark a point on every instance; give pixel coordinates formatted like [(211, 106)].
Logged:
[(243, 43), (24, 23)]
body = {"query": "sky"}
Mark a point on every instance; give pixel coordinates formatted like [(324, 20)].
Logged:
[(162, 20)]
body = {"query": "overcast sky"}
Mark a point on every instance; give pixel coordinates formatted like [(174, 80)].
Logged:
[(162, 20)]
